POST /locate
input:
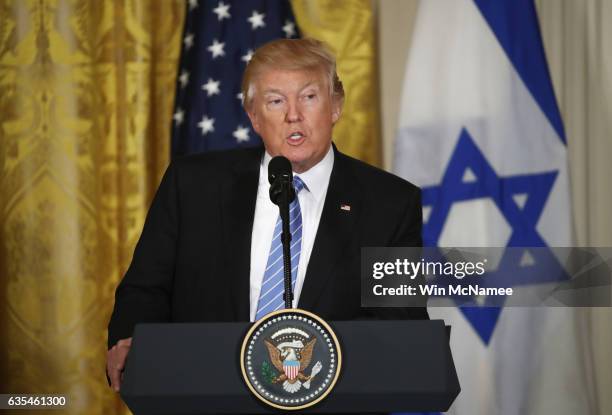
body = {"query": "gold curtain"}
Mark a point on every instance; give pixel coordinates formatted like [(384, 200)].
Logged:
[(86, 90), (348, 27)]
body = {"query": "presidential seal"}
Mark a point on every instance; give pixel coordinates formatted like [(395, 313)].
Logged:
[(290, 359)]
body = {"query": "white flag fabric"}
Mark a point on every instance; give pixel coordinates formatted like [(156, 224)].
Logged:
[(481, 134)]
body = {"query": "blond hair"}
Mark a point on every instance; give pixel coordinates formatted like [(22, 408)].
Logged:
[(292, 54)]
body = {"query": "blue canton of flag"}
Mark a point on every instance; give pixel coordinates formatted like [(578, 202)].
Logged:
[(218, 41)]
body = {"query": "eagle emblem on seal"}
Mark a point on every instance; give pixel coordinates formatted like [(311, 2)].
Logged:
[(290, 351)]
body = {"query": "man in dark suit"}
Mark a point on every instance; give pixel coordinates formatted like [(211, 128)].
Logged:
[(207, 251)]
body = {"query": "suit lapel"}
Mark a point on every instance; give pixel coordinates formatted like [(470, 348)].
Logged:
[(239, 198), (340, 212)]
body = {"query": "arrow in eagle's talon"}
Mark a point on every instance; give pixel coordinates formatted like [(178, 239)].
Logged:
[(316, 369)]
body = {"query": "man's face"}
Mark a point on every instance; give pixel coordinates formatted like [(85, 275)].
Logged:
[(293, 112)]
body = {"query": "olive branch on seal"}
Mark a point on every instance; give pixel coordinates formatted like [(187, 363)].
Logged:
[(267, 372)]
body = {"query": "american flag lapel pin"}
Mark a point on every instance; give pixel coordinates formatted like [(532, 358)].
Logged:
[(345, 207)]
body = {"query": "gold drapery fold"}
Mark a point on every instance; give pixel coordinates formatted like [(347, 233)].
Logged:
[(347, 26), (86, 91)]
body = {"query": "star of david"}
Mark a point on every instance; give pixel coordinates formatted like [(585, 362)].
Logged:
[(519, 198)]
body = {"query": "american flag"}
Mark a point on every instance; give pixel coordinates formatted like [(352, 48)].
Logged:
[(218, 40)]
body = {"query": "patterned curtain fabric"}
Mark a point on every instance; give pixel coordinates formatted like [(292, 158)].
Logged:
[(86, 90), (348, 28)]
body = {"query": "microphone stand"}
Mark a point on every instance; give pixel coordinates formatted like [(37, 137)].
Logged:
[(285, 200), (282, 194)]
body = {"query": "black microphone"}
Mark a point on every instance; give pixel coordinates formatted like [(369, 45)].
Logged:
[(280, 176)]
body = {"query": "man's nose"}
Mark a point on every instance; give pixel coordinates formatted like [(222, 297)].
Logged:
[(294, 113)]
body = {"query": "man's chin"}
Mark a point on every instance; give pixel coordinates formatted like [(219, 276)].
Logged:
[(299, 163), (302, 159)]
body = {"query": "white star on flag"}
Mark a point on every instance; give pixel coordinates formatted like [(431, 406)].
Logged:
[(222, 11), (246, 58), (239, 96), (184, 78), (207, 125), (216, 49), (178, 116), (188, 41), (256, 20), (211, 87), (289, 28), (193, 4), (241, 133)]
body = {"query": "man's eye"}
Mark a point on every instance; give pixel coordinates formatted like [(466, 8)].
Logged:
[(310, 96), (275, 101)]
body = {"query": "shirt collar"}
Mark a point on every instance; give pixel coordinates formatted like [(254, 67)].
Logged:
[(316, 178)]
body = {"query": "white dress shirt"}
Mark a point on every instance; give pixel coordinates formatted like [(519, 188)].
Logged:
[(311, 199)]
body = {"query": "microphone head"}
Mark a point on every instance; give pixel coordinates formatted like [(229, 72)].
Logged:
[(280, 176), (279, 167)]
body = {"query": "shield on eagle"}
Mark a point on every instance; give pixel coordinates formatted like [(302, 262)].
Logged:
[(291, 368)]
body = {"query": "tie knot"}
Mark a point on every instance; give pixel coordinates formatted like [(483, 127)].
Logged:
[(298, 184)]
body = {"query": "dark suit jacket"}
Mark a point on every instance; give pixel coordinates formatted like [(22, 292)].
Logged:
[(192, 262)]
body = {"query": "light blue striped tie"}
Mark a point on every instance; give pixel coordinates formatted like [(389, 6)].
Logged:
[(273, 287)]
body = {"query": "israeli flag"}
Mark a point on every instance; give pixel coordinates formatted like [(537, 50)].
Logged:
[(480, 132)]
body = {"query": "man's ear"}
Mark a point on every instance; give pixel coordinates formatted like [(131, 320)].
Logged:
[(336, 109), (254, 119)]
